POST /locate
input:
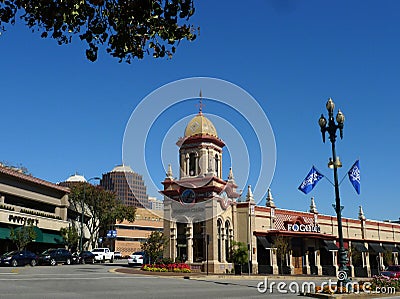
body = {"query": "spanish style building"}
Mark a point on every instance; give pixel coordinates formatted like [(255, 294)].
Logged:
[(203, 214)]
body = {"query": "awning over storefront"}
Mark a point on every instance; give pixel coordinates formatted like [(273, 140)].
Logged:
[(4, 233), (391, 248), (359, 246), (52, 238), (264, 242), (41, 237), (376, 247), (330, 245)]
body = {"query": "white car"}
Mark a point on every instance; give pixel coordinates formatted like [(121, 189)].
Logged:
[(103, 254), (117, 255), (136, 258)]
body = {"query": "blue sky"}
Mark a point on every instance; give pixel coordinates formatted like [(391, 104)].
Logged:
[(62, 113)]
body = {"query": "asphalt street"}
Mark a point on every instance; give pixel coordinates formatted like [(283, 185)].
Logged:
[(101, 281)]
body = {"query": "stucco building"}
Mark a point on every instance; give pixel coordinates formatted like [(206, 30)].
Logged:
[(26, 200), (203, 214)]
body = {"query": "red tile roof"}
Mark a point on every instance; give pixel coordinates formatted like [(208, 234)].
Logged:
[(32, 179)]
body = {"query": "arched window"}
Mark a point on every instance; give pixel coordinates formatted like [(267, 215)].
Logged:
[(227, 240), (219, 237), (192, 164)]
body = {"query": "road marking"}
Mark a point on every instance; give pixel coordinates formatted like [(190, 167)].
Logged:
[(69, 278)]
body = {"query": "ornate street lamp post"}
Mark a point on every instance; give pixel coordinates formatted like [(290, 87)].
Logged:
[(331, 127), (83, 210)]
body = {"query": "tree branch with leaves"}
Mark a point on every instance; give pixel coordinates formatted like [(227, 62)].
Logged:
[(127, 29)]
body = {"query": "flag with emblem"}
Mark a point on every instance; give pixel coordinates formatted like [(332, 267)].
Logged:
[(354, 176), (312, 178)]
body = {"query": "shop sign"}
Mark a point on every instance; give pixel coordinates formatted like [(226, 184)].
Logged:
[(23, 220), (304, 228)]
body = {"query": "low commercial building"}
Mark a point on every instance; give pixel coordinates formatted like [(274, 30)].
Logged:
[(131, 234), (204, 215), (26, 200)]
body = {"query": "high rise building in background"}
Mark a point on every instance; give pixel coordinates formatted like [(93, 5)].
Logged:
[(128, 185), (156, 204)]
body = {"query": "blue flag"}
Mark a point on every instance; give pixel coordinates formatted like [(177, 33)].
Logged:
[(354, 176), (310, 181)]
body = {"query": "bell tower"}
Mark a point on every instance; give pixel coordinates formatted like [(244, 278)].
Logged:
[(200, 150), (198, 207)]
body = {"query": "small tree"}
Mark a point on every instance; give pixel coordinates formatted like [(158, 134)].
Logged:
[(282, 247), (70, 236), (239, 253), (154, 246), (103, 207), (356, 256), (387, 258), (22, 236)]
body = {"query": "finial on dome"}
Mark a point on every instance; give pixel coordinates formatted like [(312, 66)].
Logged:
[(170, 175), (313, 207), (249, 195), (201, 105), (230, 176), (361, 215), (270, 200)]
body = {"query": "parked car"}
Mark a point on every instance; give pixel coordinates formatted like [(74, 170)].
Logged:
[(136, 258), (19, 258), (55, 255), (103, 254), (85, 257), (391, 272), (117, 255)]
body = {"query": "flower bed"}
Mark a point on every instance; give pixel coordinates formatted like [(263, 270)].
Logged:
[(174, 267), (378, 284), (385, 282)]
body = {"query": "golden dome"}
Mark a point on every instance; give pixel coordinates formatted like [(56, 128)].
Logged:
[(200, 125)]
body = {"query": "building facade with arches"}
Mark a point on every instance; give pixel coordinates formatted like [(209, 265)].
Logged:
[(204, 214)]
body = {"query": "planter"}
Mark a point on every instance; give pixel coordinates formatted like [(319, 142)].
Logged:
[(238, 269)]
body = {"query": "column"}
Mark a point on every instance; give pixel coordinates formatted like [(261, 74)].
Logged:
[(318, 262), (182, 166), (380, 264), (274, 261), (306, 267), (189, 242), (173, 244), (187, 164), (203, 161), (366, 255), (290, 254), (223, 238), (334, 261), (173, 248), (196, 165), (351, 266)]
